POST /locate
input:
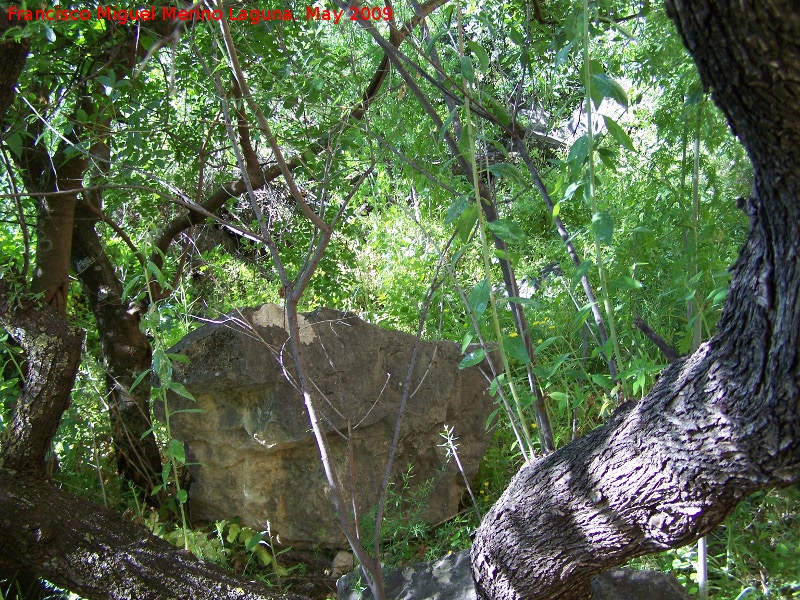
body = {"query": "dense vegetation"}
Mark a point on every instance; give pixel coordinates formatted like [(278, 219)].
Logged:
[(209, 165)]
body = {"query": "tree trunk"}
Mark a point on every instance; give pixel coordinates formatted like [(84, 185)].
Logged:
[(126, 353), (63, 538), (719, 424), (96, 553)]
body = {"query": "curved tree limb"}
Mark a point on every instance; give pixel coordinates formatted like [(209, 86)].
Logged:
[(719, 424)]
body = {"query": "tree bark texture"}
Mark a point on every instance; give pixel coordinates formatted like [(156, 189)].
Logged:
[(63, 538), (96, 553), (719, 424), (53, 350), (126, 353), (13, 55)]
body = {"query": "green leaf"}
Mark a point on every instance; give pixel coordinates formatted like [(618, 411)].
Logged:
[(625, 283), (507, 256), (618, 133), (608, 158), (544, 344), (254, 540), (187, 410), (515, 34), (479, 51), (467, 339), (607, 87), (509, 171), (233, 531), (14, 143), (497, 109), (473, 358), (580, 318), (181, 391), (582, 270), (181, 358), (563, 54), (508, 231), (456, 209), (139, 379), (466, 69), (446, 124), (515, 346), (602, 380), (603, 226), (546, 374), (182, 496), (156, 273), (569, 193), (479, 298), (579, 151), (176, 452), (466, 222)]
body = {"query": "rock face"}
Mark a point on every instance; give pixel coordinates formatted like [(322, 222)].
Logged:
[(254, 454), (451, 578)]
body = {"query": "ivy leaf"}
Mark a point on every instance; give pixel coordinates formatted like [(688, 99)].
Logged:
[(608, 87), (603, 226), (508, 231), (618, 133)]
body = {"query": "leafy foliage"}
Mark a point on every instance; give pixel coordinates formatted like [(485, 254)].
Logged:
[(623, 193)]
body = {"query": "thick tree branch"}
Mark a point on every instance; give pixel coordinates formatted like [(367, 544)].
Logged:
[(53, 350), (719, 424), (96, 553), (13, 55)]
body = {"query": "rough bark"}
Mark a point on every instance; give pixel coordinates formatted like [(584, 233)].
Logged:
[(12, 60), (96, 553), (719, 424), (63, 538), (126, 354), (53, 350)]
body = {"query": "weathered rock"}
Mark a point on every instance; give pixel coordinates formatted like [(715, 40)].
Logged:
[(627, 584), (451, 578), (342, 563), (254, 454)]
